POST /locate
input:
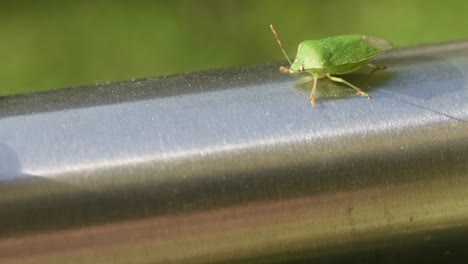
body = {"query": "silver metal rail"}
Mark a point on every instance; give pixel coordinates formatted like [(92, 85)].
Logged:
[(234, 166)]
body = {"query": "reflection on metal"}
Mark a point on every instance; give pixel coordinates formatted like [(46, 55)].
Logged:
[(234, 166)]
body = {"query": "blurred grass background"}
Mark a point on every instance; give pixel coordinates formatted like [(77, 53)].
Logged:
[(54, 44)]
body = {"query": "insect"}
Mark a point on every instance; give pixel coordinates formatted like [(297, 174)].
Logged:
[(338, 55)]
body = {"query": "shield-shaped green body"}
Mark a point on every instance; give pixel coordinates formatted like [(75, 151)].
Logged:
[(337, 55)]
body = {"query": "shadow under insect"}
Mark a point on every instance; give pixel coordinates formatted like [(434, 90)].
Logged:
[(366, 79)]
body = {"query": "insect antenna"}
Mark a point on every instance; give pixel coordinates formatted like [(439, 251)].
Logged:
[(279, 43)]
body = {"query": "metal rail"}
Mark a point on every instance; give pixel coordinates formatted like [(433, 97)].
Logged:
[(234, 166)]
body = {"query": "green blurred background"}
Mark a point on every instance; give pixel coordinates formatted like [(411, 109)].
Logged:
[(55, 44)]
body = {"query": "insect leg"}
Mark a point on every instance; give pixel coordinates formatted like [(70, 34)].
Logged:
[(312, 93), (340, 80), (377, 67), (284, 69)]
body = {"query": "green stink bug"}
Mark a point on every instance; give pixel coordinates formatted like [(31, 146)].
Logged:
[(334, 56)]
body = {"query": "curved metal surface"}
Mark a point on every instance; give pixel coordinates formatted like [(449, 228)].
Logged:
[(234, 166)]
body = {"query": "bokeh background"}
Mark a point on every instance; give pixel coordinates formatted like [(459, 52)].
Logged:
[(56, 44)]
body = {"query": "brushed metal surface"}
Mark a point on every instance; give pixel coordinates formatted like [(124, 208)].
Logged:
[(233, 166)]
